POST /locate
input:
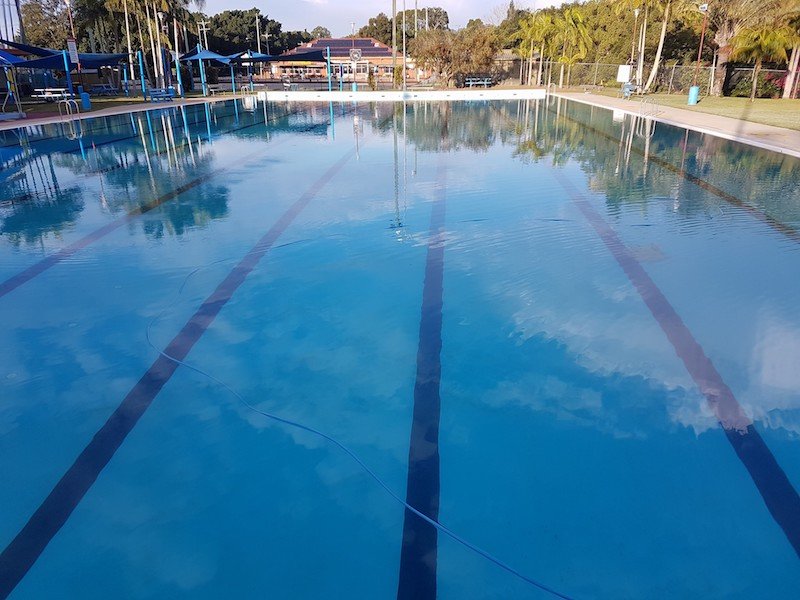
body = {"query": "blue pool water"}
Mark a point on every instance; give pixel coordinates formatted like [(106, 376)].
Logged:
[(570, 337)]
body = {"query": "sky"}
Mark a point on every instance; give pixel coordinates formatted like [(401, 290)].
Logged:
[(337, 15)]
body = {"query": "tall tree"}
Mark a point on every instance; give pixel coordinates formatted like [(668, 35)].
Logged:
[(759, 44), (45, 23), (572, 36), (730, 17), (378, 27), (320, 32), (669, 9)]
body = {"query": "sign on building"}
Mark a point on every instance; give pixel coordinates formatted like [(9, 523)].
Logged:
[(355, 54)]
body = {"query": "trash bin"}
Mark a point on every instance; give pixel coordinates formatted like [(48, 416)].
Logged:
[(694, 95), (86, 102)]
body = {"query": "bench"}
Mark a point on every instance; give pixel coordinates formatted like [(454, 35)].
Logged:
[(478, 81), (103, 89), (161, 94), (51, 94)]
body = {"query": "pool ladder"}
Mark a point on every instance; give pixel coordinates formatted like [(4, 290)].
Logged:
[(67, 108), (645, 123)]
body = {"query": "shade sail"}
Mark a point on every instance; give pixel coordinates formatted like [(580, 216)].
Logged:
[(315, 56), (205, 55), (6, 58), (88, 61), (33, 50)]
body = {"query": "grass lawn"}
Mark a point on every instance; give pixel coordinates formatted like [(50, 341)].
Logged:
[(781, 113)]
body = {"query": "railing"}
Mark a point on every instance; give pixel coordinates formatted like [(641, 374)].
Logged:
[(67, 108)]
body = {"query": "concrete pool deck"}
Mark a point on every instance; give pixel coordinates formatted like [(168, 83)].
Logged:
[(768, 137)]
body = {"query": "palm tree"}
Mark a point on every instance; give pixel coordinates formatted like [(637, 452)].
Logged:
[(727, 18), (669, 8), (572, 36), (535, 31), (759, 44), (794, 60)]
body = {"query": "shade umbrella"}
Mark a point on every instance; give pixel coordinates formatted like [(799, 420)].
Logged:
[(200, 54)]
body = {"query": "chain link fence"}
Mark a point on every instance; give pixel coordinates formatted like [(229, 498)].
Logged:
[(670, 79)]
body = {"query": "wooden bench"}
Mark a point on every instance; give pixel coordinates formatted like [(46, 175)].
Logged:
[(478, 81), (51, 94), (161, 94)]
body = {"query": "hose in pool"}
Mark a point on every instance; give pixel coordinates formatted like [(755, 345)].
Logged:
[(382, 484)]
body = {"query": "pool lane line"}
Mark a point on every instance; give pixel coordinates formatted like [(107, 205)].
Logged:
[(21, 278), (23, 551), (780, 497), (783, 228), (184, 143), (418, 554)]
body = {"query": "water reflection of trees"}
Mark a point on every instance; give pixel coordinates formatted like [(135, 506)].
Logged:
[(633, 160)]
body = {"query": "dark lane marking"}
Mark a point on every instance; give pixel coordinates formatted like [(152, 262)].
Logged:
[(23, 551), (789, 231), (418, 555), (775, 488), (15, 281)]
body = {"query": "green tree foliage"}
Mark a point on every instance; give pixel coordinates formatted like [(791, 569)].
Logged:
[(449, 54), (320, 32), (378, 27), (235, 31), (758, 44), (46, 23)]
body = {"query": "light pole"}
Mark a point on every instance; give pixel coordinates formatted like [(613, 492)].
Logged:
[(635, 25), (404, 45), (703, 9)]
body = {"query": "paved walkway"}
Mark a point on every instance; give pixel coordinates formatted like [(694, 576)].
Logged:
[(778, 139)]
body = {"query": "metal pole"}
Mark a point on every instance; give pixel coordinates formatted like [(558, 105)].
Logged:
[(141, 73), (202, 74), (128, 36), (177, 58), (67, 69), (700, 48), (394, 40), (22, 37), (233, 80), (328, 56), (404, 45)]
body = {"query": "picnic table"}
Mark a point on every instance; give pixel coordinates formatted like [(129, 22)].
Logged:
[(51, 94), (161, 94), (478, 81), (103, 89)]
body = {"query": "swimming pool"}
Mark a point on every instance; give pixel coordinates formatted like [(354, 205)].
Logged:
[(571, 336)]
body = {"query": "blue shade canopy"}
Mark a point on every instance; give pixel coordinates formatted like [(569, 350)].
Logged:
[(88, 61), (33, 50), (314, 56), (205, 55), (6, 58)]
